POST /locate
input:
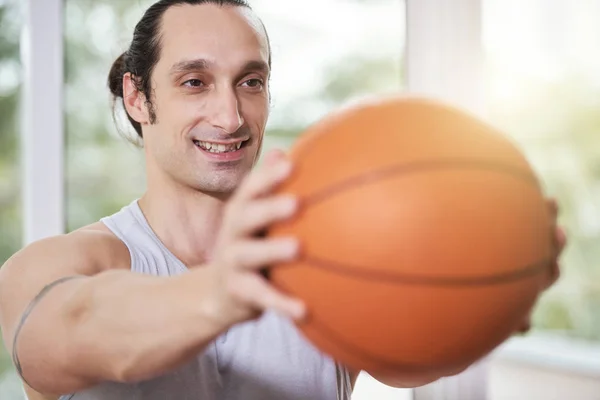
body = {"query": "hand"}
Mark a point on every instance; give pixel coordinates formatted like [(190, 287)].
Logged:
[(560, 241), (241, 291)]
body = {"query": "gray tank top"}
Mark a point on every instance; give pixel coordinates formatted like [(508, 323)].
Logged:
[(264, 359)]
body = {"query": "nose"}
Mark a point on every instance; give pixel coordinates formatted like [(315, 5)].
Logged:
[(226, 114)]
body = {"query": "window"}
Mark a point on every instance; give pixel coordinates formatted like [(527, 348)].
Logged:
[(543, 87), (10, 172), (104, 171)]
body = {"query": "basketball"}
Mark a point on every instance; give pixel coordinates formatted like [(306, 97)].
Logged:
[(425, 236)]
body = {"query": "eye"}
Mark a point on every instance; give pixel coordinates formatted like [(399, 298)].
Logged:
[(254, 83), (193, 83)]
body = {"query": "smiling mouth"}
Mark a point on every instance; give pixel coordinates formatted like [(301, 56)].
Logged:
[(220, 148)]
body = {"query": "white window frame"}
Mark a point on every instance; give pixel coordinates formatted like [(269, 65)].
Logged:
[(42, 120), (443, 60), (444, 55)]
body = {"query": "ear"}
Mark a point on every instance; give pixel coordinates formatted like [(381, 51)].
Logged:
[(135, 101)]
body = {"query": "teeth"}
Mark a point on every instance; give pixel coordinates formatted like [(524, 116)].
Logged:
[(218, 148)]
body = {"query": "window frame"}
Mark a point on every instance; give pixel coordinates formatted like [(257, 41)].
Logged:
[(42, 126)]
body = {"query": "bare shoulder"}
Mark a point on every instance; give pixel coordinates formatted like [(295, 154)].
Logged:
[(86, 251), (107, 249), (96, 227)]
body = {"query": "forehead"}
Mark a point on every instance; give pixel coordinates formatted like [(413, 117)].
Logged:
[(225, 35)]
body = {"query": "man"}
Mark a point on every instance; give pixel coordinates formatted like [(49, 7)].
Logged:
[(166, 299)]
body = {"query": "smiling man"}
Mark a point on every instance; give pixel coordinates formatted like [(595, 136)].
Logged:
[(165, 299)]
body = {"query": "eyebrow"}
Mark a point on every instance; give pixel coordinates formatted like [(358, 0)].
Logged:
[(256, 66), (200, 64), (189, 66)]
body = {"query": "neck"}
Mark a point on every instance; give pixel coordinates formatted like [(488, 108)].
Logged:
[(185, 220)]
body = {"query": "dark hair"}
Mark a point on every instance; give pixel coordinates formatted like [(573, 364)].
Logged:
[(144, 52)]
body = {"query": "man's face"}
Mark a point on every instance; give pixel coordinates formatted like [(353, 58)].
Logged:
[(210, 95)]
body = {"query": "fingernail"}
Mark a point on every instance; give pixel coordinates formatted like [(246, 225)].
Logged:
[(298, 311), (289, 203), (276, 153), (291, 247), (284, 167)]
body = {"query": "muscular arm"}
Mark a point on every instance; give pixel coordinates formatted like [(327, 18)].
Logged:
[(73, 315)]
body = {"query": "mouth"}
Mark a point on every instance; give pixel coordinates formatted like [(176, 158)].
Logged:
[(220, 148)]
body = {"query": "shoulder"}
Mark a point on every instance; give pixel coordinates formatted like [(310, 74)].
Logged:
[(97, 244), (89, 250), (100, 242)]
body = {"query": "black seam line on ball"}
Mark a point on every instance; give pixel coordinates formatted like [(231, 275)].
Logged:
[(333, 337), (339, 341), (413, 168), (369, 274)]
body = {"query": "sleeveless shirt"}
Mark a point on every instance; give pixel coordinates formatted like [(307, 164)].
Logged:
[(263, 359)]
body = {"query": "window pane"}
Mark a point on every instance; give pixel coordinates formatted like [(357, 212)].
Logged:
[(104, 171), (543, 75), (10, 174)]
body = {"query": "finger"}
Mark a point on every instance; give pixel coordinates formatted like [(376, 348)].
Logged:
[(259, 214), (554, 271), (274, 156), (258, 254), (561, 239), (525, 326), (554, 275), (553, 206), (263, 180), (257, 292)]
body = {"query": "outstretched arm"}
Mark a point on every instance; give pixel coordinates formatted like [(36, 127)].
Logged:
[(73, 314)]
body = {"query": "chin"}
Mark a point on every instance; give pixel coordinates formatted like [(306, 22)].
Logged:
[(222, 187)]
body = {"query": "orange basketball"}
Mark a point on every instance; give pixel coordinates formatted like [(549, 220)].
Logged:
[(425, 236)]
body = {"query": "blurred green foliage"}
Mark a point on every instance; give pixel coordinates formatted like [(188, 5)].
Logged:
[(10, 227), (10, 216)]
